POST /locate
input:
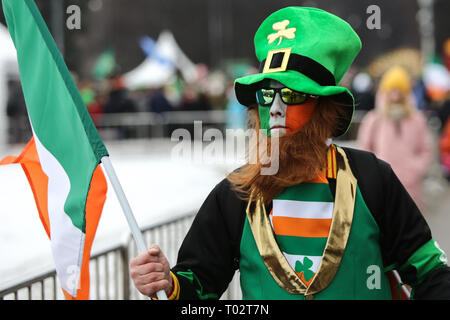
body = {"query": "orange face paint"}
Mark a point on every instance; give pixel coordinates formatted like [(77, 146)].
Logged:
[(298, 115)]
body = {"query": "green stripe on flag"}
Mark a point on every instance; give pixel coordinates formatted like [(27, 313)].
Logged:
[(301, 245), (318, 192), (57, 113)]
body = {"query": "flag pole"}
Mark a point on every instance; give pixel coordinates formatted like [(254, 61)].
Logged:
[(135, 231), (399, 280)]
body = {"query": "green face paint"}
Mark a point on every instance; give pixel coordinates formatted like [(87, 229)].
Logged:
[(264, 117)]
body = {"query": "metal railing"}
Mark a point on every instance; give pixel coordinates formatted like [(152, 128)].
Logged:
[(109, 269)]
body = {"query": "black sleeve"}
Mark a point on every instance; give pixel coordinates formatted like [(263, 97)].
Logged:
[(208, 256), (403, 229), (435, 287), (402, 225)]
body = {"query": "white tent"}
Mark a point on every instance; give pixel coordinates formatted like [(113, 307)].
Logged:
[(8, 69), (153, 73)]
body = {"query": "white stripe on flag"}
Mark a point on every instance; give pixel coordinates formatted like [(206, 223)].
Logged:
[(67, 241), (303, 209), (292, 259)]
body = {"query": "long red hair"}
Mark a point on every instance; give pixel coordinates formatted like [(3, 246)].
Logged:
[(301, 155)]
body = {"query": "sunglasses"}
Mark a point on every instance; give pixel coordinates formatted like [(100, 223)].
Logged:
[(265, 97)]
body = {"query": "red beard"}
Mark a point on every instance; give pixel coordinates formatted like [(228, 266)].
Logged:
[(301, 156)]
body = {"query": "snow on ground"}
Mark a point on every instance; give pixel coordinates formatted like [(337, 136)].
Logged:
[(156, 185)]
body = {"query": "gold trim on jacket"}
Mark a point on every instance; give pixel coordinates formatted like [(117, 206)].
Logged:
[(341, 224)]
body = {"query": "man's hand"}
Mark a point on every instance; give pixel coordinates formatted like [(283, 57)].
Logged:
[(150, 272)]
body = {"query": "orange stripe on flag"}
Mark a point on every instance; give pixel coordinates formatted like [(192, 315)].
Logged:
[(299, 227), (94, 206), (28, 154), (29, 160)]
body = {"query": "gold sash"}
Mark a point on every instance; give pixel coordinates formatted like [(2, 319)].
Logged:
[(341, 224)]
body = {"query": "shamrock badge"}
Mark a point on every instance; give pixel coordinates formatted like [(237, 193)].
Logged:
[(282, 32), (304, 268)]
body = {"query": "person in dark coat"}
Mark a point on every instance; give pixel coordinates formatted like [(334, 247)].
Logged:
[(118, 102)]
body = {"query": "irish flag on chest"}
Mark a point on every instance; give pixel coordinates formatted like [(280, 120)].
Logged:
[(301, 219), (62, 161)]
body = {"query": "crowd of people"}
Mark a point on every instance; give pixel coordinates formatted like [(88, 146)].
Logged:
[(111, 96)]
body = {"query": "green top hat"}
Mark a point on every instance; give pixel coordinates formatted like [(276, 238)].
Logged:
[(307, 50)]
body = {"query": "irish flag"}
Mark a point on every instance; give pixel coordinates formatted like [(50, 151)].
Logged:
[(62, 161)]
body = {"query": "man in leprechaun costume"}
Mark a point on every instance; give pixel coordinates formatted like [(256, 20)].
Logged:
[(331, 221)]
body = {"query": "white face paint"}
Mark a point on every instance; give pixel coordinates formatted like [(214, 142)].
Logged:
[(277, 120)]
